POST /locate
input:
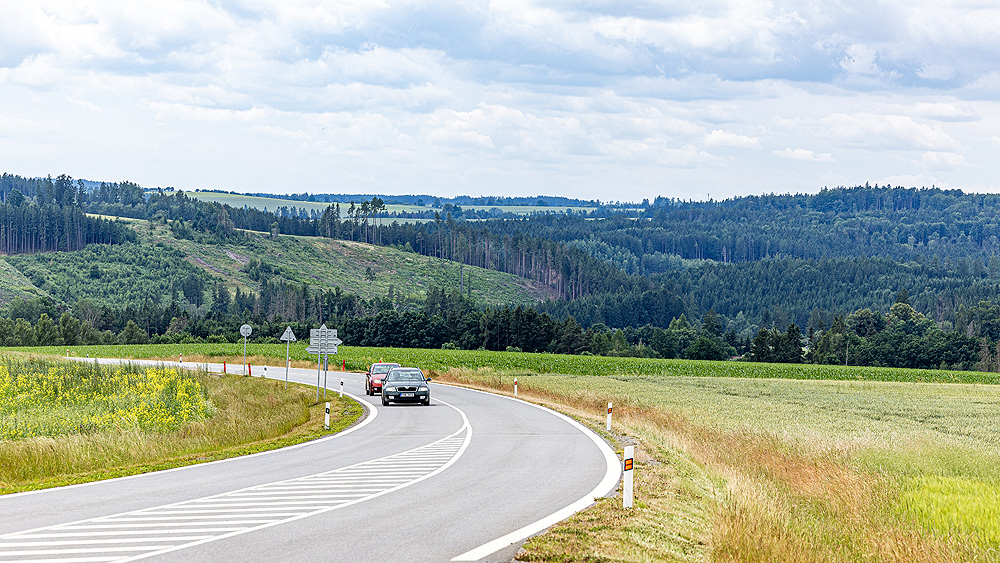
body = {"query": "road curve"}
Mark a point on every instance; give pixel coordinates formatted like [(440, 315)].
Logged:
[(466, 479)]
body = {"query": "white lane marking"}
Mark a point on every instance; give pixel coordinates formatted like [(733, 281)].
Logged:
[(368, 420), (611, 476), (233, 522)]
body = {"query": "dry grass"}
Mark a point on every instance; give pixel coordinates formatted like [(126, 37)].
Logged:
[(730, 492)]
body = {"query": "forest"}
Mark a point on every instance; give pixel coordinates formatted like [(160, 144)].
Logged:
[(741, 278)]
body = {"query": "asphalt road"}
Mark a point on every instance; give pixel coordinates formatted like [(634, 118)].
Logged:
[(467, 478)]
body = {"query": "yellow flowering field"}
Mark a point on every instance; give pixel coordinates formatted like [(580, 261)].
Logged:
[(42, 398)]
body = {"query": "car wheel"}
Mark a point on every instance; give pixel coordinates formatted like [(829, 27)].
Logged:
[(385, 402), (427, 403)]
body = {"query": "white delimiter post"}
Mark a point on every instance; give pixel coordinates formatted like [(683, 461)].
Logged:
[(326, 421), (515, 386), (627, 477), (609, 417)]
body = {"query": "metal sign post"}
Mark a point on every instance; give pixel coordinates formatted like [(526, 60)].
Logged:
[(288, 337), (245, 330)]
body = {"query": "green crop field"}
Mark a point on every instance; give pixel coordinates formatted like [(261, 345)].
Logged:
[(770, 469), (357, 358)]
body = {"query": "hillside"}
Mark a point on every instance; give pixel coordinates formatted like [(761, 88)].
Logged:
[(122, 275), (273, 204)]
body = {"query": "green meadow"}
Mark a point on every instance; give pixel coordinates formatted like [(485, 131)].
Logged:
[(741, 461)]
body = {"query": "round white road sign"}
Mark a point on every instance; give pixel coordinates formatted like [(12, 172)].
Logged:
[(245, 330)]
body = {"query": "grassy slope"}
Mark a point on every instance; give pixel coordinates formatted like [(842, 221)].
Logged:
[(14, 284), (330, 263), (272, 204), (318, 262)]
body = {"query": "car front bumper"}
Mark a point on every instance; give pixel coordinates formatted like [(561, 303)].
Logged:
[(407, 396)]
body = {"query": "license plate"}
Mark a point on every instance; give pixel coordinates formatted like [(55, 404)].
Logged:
[(406, 394)]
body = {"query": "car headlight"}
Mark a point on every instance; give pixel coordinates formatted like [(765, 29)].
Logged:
[(421, 389), (390, 389)]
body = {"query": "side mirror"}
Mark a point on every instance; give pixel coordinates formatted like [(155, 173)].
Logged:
[(428, 379)]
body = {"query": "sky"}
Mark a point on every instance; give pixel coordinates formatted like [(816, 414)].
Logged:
[(608, 100)]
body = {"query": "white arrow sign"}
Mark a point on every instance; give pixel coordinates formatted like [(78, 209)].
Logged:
[(323, 337), (288, 336)]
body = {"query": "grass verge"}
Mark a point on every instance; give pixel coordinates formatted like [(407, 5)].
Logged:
[(802, 471), (252, 415)]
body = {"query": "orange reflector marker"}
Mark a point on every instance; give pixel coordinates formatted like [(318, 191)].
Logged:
[(629, 453)]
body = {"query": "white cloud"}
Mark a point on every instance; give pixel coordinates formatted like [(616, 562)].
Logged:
[(860, 59), (507, 95), (942, 160), (936, 72), (877, 131), (804, 155), (719, 138)]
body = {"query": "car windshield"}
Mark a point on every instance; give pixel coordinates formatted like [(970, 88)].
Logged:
[(382, 368), (405, 375)]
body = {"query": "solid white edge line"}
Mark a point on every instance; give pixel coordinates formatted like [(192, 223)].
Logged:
[(358, 426), (607, 484)]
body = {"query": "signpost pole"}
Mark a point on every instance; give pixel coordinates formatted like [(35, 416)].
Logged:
[(321, 340), (245, 330), (288, 337)]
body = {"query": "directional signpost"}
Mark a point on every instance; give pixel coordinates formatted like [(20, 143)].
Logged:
[(245, 330), (322, 341), (288, 337)]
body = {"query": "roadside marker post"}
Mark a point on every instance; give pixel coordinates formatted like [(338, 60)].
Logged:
[(326, 421), (341, 387), (515, 386), (627, 485), (180, 359), (288, 337), (609, 417), (245, 330), (265, 373)]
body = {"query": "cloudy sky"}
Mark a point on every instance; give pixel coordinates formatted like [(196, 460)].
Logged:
[(610, 100)]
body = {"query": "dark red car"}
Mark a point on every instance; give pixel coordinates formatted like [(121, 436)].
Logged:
[(376, 373)]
